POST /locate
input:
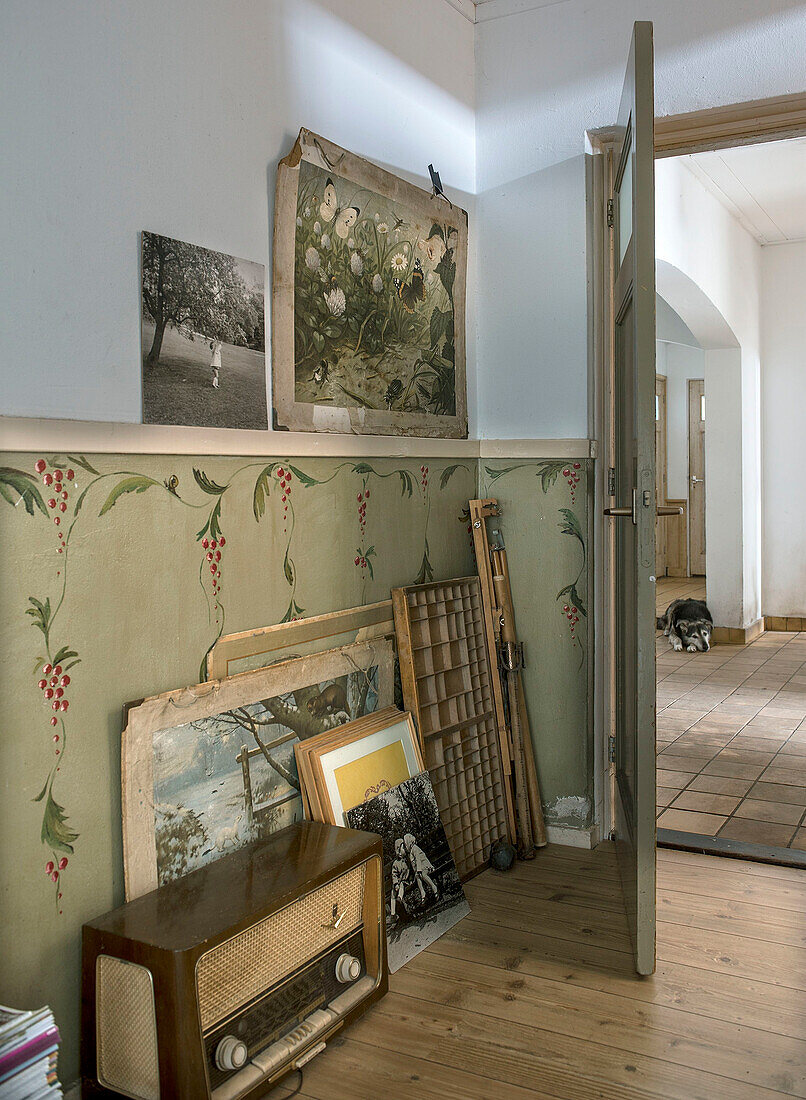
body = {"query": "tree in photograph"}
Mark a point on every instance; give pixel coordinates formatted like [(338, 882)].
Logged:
[(196, 291)]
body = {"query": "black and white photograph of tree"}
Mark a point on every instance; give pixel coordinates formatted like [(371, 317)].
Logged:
[(203, 337), (424, 897)]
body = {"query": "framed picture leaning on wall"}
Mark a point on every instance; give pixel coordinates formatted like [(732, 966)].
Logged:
[(342, 767), (368, 324)]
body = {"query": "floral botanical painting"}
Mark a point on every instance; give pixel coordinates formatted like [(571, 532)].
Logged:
[(369, 290), (203, 337)]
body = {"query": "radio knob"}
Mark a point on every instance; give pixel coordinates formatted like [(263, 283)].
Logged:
[(348, 968), (230, 1053)]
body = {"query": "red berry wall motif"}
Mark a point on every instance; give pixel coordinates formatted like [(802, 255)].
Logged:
[(570, 597), (363, 553), (53, 491)]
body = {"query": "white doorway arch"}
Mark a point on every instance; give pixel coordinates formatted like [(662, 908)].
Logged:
[(732, 491)]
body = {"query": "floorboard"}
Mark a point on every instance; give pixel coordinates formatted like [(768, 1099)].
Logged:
[(533, 995)]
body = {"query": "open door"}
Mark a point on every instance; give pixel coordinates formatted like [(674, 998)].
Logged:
[(633, 500)]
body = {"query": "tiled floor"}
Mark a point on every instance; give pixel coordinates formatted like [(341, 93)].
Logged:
[(732, 735)]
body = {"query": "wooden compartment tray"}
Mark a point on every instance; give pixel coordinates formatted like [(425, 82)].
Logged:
[(447, 685)]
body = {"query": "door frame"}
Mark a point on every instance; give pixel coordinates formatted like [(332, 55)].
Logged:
[(691, 383), (661, 467), (747, 123)]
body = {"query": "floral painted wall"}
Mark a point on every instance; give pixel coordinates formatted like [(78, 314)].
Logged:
[(120, 571), (544, 524)]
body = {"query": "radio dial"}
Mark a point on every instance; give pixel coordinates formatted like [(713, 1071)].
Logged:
[(230, 1053), (348, 968)]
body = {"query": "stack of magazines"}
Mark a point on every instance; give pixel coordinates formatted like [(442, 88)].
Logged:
[(29, 1047)]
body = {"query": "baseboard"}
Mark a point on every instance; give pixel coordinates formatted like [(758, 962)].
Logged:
[(785, 622), (671, 571), (571, 837), (737, 635)]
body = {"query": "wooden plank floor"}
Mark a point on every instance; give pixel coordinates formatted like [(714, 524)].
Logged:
[(533, 994)]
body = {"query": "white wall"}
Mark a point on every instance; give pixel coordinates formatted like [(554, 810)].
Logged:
[(142, 114), (783, 404), (543, 78), (709, 271)]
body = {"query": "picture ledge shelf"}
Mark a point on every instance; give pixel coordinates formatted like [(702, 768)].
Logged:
[(100, 437)]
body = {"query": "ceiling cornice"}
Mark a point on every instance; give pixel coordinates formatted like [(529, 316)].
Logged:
[(482, 11)]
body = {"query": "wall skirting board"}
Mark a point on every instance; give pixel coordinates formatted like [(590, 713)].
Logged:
[(572, 838), (785, 622), (731, 635), (100, 437)]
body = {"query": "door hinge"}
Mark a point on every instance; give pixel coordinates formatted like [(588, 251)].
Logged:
[(609, 213), (611, 481), (611, 749)]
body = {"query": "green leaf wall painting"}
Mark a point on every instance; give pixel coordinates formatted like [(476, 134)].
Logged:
[(368, 330), (72, 503)]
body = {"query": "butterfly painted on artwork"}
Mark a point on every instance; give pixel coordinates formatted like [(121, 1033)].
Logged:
[(343, 218), (413, 291)]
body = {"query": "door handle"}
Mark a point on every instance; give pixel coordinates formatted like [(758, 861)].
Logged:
[(625, 513), (631, 513), (697, 480)]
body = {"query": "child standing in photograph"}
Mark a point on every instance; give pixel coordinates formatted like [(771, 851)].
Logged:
[(421, 865), (401, 875), (215, 361)]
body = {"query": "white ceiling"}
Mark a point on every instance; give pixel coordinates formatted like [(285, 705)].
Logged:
[(763, 186), (480, 11)]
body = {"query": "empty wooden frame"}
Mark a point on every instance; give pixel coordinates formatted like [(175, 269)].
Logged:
[(250, 649)]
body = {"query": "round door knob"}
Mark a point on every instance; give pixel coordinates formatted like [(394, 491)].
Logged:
[(230, 1053), (348, 968)]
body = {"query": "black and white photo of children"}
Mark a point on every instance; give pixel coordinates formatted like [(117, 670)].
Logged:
[(423, 893)]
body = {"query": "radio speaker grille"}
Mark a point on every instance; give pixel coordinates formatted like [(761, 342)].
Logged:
[(127, 1028), (248, 964)]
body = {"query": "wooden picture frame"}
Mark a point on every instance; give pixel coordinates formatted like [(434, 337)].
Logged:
[(368, 299), (193, 788), (346, 766), (268, 644)]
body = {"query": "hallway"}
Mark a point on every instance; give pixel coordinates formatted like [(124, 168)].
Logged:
[(732, 735)]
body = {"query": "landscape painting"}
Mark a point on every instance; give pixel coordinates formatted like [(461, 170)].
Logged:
[(369, 299), (226, 773), (203, 336)]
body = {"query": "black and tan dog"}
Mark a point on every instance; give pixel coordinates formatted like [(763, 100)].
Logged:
[(688, 625)]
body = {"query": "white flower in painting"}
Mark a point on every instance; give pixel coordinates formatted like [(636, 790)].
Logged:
[(377, 283), (398, 262), (335, 301), (313, 260), (317, 227), (299, 222), (351, 243), (383, 227), (306, 213), (356, 264), (325, 241), (377, 216)]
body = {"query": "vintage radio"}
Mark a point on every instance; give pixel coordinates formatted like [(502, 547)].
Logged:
[(218, 984)]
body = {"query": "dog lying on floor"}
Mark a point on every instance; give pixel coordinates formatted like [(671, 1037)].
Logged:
[(688, 625)]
